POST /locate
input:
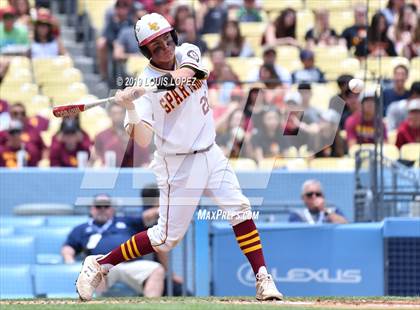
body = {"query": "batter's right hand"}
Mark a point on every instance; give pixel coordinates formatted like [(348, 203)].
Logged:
[(126, 97)]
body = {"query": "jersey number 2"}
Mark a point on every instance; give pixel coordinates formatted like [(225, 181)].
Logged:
[(204, 104)]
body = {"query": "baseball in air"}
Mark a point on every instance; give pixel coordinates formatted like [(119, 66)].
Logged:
[(356, 85)]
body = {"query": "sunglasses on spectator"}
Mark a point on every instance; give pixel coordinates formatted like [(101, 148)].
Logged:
[(310, 194), (17, 113), (102, 207)]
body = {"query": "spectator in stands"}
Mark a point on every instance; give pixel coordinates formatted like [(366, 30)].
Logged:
[(360, 126), (221, 69), (268, 140), (251, 106), (391, 11), (4, 115), (269, 58), (412, 49), (232, 42), (68, 145), (316, 210), (328, 137), (14, 151), (235, 141), (283, 30), (310, 73), (211, 16), (115, 140), (398, 110), (321, 34), (32, 127), (45, 43), (35, 123), (355, 35), (103, 232), (181, 13), (402, 32), (249, 12), (13, 38), (23, 14), (268, 76), (163, 7), (311, 114), (351, 101), (379, 44), (191, 35), (398, 90), (409, 130), (337, 102), (116, 18), (126, 42)]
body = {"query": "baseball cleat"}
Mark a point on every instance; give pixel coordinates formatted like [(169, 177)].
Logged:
[(89, 278), (266, 288)]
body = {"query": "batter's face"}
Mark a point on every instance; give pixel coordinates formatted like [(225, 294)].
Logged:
[(162, 49)]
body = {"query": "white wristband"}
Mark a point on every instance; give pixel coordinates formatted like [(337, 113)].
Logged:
[(133, 117)]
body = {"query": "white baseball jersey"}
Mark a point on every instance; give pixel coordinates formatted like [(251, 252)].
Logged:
[(181, 118)]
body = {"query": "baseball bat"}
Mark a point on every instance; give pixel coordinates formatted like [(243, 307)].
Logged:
[(76, 108)]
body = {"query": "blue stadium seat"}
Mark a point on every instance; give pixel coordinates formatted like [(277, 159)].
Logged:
[(6, 231), (56, 280), (48, 239), (71, 220), (48, 259), (21, 221), (17, 250), (16, 282)]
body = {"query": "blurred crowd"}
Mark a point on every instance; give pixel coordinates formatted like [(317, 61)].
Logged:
[(270, 116)]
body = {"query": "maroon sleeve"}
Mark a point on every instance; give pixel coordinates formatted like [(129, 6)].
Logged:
[(33, 154), (402, 135), (55, 156), (43, 123), (3, 137), (2, 161), (86, 143), (350, 127)]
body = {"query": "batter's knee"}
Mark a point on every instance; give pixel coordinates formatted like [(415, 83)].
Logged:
[(161, 240)]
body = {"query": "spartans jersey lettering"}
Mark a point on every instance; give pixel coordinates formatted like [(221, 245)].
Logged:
[(181, 118)]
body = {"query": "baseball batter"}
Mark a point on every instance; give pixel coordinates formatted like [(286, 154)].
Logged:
[(187, 162)]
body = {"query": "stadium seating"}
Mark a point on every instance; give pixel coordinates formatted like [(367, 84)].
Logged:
[(43, 209), (96, 11), (17, 250), (6, 231), (136, 64), (68, 221), (16, 221), (411, 151), (384, 66), (389, 150), (56, 281), (242, 164), (332, 163), (16, 282), (48, 240)]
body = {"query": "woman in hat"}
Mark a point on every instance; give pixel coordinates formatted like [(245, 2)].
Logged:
[(45, 42)]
